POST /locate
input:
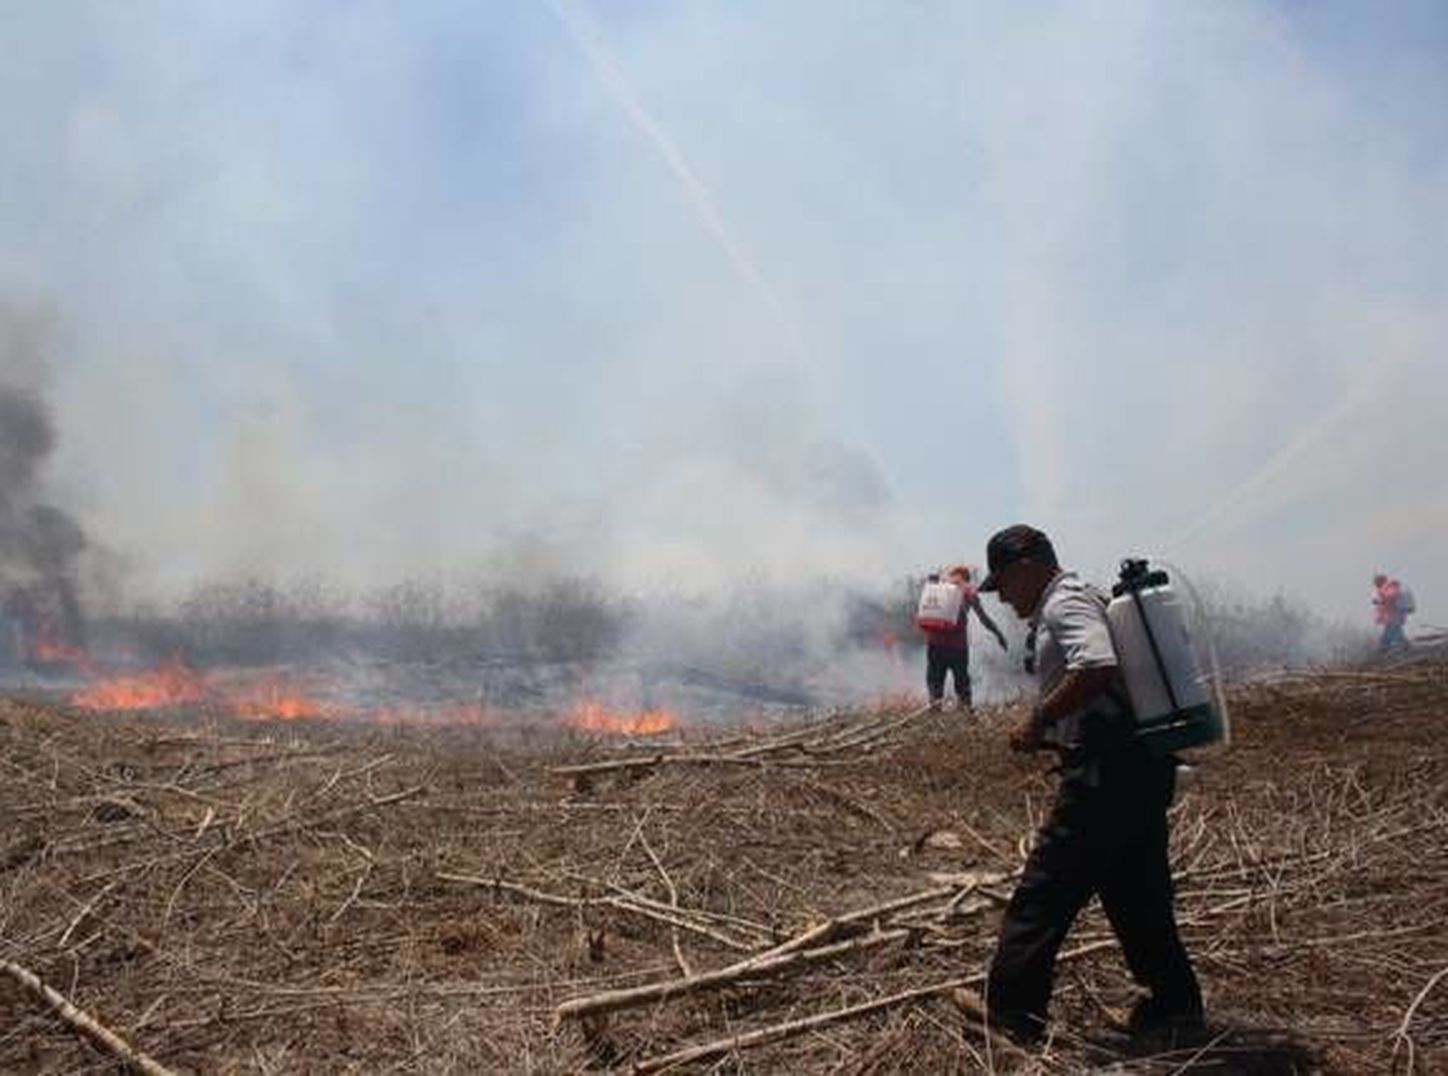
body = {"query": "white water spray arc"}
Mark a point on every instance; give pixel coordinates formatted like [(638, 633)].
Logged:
[(700, 198)]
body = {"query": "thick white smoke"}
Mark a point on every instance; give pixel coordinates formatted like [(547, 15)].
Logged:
[(408, 291)]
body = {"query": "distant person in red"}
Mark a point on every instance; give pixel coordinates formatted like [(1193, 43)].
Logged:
[(949, 651), (1392, 602)]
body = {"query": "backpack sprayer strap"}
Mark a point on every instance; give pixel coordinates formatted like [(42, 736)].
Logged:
[(1081, 733)]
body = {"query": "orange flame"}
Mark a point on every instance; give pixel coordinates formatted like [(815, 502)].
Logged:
[(171, 684), (274, 700), (174, 684), (46, 650), (590, 715), (58, 653)]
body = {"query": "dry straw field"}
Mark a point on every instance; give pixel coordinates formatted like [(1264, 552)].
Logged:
[(194, 894)]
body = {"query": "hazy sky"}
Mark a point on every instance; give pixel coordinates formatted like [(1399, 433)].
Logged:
[(673, 291)]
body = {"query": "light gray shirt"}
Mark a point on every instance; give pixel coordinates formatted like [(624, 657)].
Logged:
[(1070, 631)]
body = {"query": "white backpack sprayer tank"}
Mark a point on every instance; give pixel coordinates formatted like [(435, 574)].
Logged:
[(940, 604), (1171, 698)]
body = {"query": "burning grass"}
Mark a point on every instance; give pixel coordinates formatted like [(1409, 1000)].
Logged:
[(591, 715), (337, 897), (272, 696)]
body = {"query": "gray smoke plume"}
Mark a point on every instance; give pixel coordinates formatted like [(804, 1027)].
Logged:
[(39, 543)]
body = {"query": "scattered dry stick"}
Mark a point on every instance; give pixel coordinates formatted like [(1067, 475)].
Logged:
[(659, 913), (828, 741), (83, 1022), (790, 1028), (765, 964), (585, 768), (679, 958), (809, 947), (1401, 1036), (868, 733)]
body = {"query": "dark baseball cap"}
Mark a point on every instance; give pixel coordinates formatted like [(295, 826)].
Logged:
[(1013, 544)]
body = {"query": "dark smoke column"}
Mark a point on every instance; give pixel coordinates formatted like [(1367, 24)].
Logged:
[(39, 543)]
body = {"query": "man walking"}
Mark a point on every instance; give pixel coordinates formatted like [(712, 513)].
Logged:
[(1392, 602), (1106, 834), (948, 650)]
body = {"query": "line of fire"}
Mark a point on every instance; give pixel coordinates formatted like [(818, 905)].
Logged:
[(560, 658)]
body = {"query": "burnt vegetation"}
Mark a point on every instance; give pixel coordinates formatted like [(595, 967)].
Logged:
[(759, 630), (227, 896), (250, 622)]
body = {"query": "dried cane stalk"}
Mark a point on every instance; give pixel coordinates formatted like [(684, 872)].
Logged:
[(790, 1028), (82, 1022)]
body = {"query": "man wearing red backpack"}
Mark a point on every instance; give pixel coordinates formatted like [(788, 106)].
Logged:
[(1392, 602), (948, 650)]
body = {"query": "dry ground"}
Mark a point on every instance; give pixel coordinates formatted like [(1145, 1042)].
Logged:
[(292, 898)]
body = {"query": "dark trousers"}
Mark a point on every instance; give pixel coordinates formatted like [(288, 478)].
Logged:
[(1106, 836), (1392, 636), (940, 660)]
